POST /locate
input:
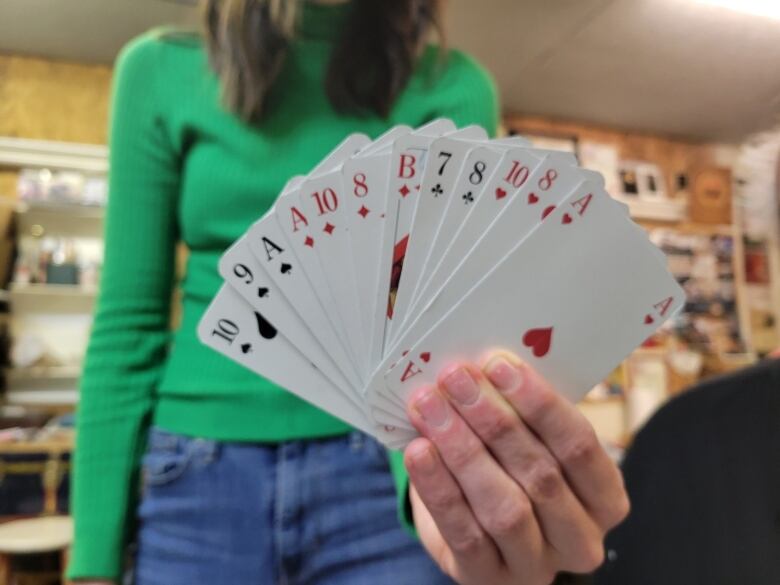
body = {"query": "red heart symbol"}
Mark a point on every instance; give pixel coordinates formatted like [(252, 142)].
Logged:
[(425, 356), (500, 193), (532, 198), (566, 219), (548, 211), (538, 340), (649, 319)]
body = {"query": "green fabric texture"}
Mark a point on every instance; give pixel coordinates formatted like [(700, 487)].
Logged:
[(184, 169)]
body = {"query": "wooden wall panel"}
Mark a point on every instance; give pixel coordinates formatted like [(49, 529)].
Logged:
[(51, 100), (8, 179), (673, 156)]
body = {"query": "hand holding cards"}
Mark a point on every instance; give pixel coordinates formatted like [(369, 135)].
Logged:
[(395, 257)]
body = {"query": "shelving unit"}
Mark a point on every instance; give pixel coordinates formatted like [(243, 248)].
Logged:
[(22, 153), (51, 306), (47, 298), (40, 219)]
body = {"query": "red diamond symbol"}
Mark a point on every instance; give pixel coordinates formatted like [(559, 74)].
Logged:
[(329, 227), (404, 191), (308, 242), (363, 211)]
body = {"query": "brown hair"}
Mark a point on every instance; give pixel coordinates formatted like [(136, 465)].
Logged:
[(372, 60)]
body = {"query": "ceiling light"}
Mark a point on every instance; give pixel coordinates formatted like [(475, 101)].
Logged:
[(766, 8)]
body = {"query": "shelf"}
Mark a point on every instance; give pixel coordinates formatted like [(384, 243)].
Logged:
[(51, 446), (62, 220), (47, 385), (24, 153), (691, 228), (56, 398), (36, 373), (656, 209), (51, 298), (43, 385)]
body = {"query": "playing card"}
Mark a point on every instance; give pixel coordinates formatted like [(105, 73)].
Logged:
[(239, 267), (385, 141), (395, 257), (407, 164), (572, 300), (244, 271), (297, 229), (242, 333), (444, 160), (236, 330), (271, 250), (323, 200), (517, 221), (365, 178), (533, 181), (478, 169)]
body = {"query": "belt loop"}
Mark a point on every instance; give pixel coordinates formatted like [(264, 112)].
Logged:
[(356, 441), (205, 450)]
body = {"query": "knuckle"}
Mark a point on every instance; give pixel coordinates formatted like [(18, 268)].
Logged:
[(619, 511), (468, 544), (445, 500), (590, 559), (547, 576), (540, 408), (510, 519), (498, 427), (624, 507), (463, 455), (582, 450), (545, 481)]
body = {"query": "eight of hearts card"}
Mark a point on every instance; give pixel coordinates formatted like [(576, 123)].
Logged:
[(395, 257)]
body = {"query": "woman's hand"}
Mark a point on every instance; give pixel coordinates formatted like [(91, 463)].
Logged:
[(510, 484)]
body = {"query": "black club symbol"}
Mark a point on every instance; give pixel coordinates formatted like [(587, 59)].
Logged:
[(468, 198), (437, 190)]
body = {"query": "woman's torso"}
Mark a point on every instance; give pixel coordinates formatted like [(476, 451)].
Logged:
[(230, 174)]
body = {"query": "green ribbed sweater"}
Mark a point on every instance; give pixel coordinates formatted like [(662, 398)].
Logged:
[(184, 169)]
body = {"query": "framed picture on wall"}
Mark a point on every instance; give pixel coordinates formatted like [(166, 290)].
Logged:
[(642, 179)]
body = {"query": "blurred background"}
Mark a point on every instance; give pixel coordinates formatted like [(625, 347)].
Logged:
[(676, 102)]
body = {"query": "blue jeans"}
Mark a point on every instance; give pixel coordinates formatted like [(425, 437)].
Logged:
[(295, 513)]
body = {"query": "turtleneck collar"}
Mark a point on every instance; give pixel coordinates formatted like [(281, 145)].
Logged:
[(320, 21)]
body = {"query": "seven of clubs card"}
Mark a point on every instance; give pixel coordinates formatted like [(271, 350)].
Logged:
[(397, 256)]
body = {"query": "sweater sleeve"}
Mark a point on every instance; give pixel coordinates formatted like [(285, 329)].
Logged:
[(130, 335), (467, 95)]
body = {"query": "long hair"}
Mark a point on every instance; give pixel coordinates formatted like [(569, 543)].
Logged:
[(373, 58)]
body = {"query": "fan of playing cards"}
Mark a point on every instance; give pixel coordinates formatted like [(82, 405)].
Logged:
[(395, 257)]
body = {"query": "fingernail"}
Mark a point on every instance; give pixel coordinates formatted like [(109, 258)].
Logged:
[(461, 386), (503, 375), (433, 409), (423, 461)]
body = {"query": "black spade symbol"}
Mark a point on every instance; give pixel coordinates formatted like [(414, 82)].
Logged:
[(262, 292), (264, 328), (246, 348), (286, 268)]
